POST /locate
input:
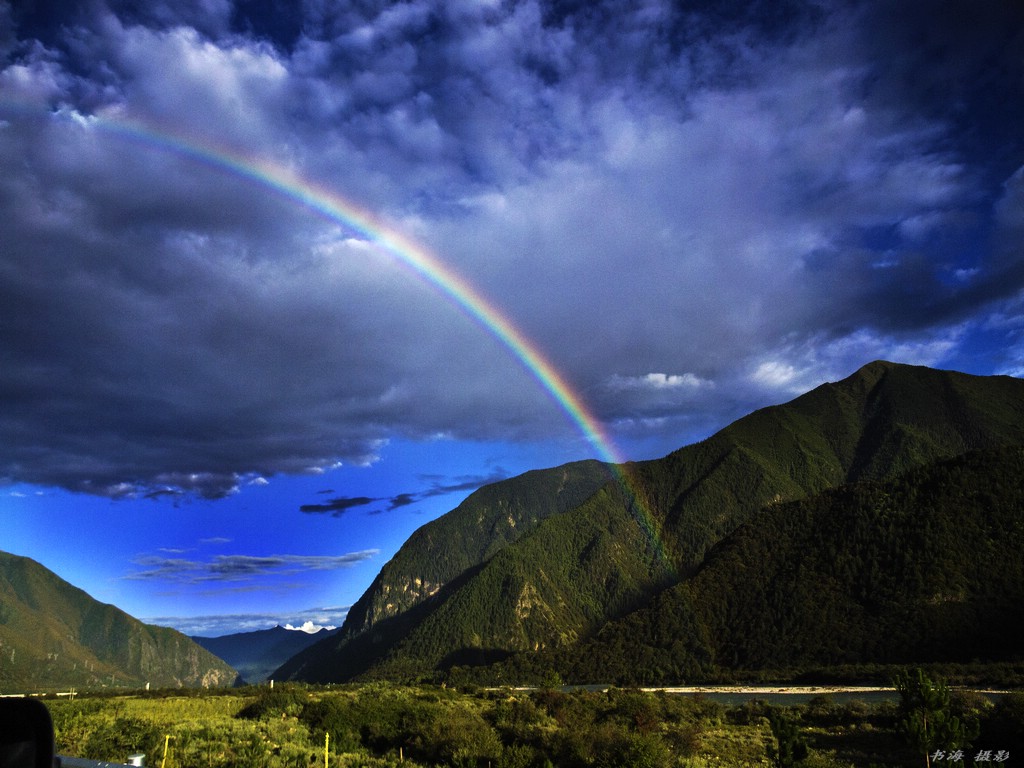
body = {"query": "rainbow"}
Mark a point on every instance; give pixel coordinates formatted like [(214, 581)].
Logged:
[(419, 260)]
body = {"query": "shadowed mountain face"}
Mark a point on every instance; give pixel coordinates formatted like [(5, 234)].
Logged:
[(530, 569), (925, 567), (53, 634)]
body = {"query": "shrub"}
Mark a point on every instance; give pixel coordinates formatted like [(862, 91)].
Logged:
[(518, 721), (749, 712), (115, 740), (791, 748), (638, 711), (284, 701), (334, 716), (1004, 727), (821, 710), (458, 736), (684, 738), (632, 750), (927, 720), (519, 756)]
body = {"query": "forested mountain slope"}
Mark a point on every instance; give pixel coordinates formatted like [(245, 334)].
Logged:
[(927, 567), (53, 634), (882, 420), (579, 566), (489, 519)]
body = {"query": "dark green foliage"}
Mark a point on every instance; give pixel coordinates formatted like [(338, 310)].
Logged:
[(455, 736), (115, 741), (926, 719), (429, 727), (336, 716), (790, 747), (282, 701), (616, 748), (749, 712), (620, 728), (520, 721), (1004, 726), (926, 567)]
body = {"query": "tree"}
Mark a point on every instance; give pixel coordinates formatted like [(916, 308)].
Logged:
[(792, 748), (925, 717)]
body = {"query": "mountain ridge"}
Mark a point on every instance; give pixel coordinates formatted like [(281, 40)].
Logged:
[(54, 634), (508, 509), (583, 569), (922, 568)]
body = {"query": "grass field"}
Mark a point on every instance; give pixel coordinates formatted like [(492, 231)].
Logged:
[(378, 725)]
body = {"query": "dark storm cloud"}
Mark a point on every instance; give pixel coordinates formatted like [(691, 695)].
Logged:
[(438, 486), (337, 507), (690, 211), (957, 61), (402, 500), (442, 486)]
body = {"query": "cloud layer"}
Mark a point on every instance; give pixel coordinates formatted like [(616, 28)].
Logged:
[(690, 212), (239, 568), (436, 486)]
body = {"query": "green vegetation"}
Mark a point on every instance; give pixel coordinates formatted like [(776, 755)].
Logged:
[(54, 635), (382, 725), (791, 747), (926, 719), (438, 558), (924, 568), (489, 519), (833, 530)]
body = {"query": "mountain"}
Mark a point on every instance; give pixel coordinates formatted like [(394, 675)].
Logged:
[(582, 566), (257, 654), (444, 551), (489, 519), (54, 635), (926, 567)]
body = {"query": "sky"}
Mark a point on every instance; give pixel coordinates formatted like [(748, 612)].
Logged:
[(283, 280)]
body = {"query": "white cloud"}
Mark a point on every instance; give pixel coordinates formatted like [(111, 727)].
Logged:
[(176, 77), (310, 627), (657, 381), (775, 374)]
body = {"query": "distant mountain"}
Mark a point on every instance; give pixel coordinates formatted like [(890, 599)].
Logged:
[(53, 634), (573, 566), (257, 654)]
